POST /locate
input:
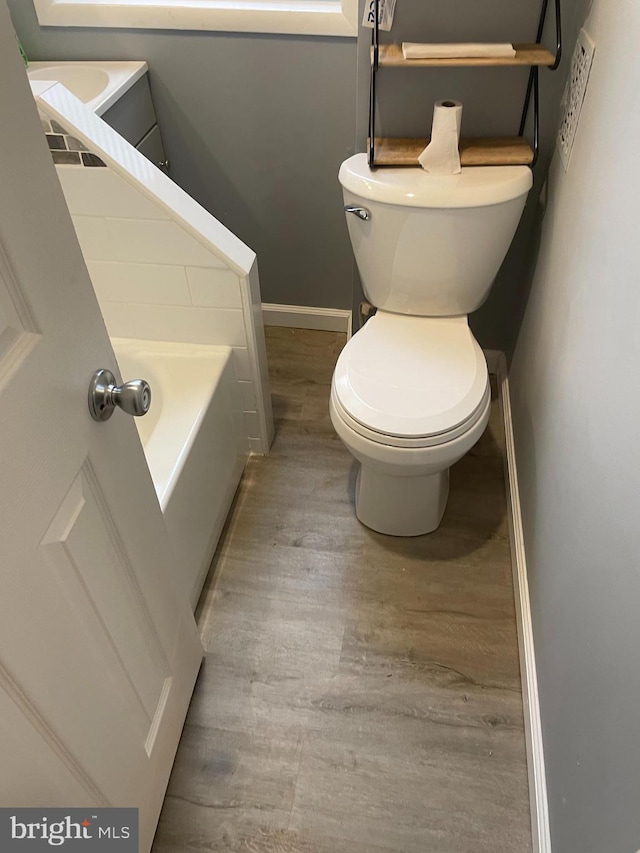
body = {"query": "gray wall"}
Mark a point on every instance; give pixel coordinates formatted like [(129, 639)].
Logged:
[(574, 384), (492, 99), (256, 128)]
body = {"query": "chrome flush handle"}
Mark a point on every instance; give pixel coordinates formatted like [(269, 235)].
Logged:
[(132, 397), (360, 212)]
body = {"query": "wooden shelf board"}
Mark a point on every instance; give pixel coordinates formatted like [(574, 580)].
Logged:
[(496, 151), (390, 56)]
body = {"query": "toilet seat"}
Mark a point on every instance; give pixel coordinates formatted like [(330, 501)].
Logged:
[(416, 443), (408, 381)]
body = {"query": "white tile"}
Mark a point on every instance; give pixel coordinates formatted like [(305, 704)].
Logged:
[(258, 352), (93, 237), (242, 363), (100, 192), (224, 327), (252, 424), (247, 396), (154, 284), (252, 283), (214, 288), (153, 241), (124, 159), (238, 426), (255, 446), (118, 319)]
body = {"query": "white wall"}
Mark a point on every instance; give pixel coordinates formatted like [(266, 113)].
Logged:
[(575, 385)]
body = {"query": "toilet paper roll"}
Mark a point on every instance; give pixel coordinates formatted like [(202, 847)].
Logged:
[(441, 156)]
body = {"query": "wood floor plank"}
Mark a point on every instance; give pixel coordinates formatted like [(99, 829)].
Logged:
[(423, 802), (273, 637), (430, 639), (291, 573), (241, 836), (359, 692), (231, 769), (437, 705), (186, 826)]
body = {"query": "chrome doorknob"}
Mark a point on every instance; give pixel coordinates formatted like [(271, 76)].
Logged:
[(132, 397)]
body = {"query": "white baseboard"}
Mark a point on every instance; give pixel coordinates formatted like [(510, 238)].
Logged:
[(303, 317), (532, 724)]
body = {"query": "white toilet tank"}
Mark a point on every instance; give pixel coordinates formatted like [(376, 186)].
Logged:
[(432, 246)]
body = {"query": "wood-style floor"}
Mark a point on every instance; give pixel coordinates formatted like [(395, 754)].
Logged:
[(360, 693)]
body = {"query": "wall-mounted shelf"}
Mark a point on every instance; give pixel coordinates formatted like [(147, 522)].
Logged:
[(496, 151), (390, 56)]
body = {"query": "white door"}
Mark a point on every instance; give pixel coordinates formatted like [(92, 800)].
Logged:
[(98, 651)]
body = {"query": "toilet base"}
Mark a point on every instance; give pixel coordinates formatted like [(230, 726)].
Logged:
[(401, 506)]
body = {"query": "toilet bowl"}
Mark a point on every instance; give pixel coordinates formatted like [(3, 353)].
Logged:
[(410, 392), (409, 397)]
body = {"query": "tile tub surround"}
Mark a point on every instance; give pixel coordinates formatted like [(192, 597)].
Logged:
[(65, 148), (162, 267), (360, 693)]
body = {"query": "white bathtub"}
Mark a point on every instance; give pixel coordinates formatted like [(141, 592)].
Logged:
[(194, 442)]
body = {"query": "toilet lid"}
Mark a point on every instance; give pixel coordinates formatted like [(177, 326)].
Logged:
[(411, 377)]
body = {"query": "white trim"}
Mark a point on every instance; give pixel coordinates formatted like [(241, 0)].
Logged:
[(541, 837), (59, 103), (294, 17), (254, 325), (302, 317), (494, 358)]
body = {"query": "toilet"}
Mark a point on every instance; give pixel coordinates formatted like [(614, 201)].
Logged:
[(410, 392)]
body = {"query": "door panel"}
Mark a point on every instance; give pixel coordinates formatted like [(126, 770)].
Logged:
[(32, 770), (98, 647), (91, 567), (17, 327)]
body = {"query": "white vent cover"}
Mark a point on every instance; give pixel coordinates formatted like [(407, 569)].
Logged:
[(574, 95)]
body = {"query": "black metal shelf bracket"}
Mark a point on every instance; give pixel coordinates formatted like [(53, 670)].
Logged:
[(375, 35), (533, 84)]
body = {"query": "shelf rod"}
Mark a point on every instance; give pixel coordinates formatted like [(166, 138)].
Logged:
[(533, 84), (372, 86)]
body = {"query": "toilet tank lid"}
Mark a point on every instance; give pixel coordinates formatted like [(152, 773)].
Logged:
[(475, 186)]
